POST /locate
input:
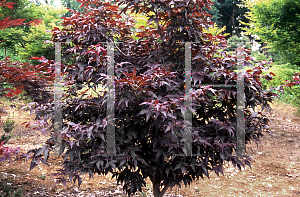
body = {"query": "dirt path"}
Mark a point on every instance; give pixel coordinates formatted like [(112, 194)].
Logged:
[(275, 170)]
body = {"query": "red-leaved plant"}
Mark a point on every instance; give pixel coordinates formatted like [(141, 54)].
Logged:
[(149, 93), (16, 78), (296, 80), (7, 152)]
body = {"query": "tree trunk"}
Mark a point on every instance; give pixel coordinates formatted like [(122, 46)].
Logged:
[(68, 4), (156, 189), (233, 22)]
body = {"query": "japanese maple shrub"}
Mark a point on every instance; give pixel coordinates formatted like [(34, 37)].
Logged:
[(149, 93), (16, 77)]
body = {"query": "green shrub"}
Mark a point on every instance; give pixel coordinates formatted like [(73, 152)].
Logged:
[(8, 126), (233, 42), (18, 192), (7, 191), (260, 56), (284, 72)]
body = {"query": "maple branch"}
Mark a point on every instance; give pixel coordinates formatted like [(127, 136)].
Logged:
[(138, 93), (118, 48), (94, 89), (158, 27)]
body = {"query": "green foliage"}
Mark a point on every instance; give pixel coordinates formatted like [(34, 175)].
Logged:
[(277, 22), (234, 41), (18, 192), (10, 38), (23, 42), (292, 96), (35, 45), (72, 4), (35, 39), (216, 30), (51, 15), (228, 13), (7, 191), (141, 22), (8, 127), (215, 13), (284, 72), (260, 56), (22, 9)]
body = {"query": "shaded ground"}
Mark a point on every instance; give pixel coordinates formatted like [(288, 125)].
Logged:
[(275, 170)]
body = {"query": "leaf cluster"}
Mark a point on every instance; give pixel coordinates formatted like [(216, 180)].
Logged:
[(33, 80)]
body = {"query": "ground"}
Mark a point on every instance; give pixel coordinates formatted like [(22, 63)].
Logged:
[(275, 170)]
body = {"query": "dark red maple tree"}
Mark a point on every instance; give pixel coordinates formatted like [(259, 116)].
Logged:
[(7, 22), (149, 75)]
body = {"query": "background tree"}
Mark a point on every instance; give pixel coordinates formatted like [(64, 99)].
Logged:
[(12, 36), (149, 96), (234, 40), (276, 25), (36, 38), (276, 22), (7, 21), (22, 9), (27, 40), (16, 76), (72, 4), (228, 13)]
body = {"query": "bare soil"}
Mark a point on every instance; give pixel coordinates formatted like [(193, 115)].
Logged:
[(275, 169)]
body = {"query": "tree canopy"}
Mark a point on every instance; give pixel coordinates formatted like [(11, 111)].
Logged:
[(72, 4), (276, 22), (35, 39), (27, 40), (228, 13)]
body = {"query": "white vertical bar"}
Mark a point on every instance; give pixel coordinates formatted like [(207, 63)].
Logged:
[(187, 135), (57, 98), (240, 103), (111, 151)]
